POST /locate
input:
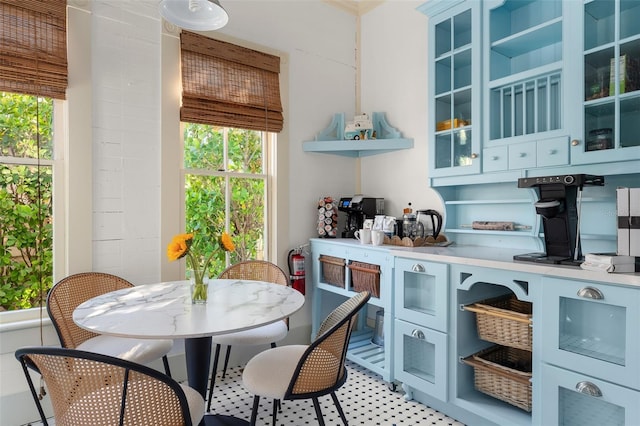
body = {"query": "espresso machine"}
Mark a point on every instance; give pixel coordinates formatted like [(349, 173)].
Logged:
[(359, 208), (559, 206)]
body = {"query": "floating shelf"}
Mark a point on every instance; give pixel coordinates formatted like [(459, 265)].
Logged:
[(331, 140)]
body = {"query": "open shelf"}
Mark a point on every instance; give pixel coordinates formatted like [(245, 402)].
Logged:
[(365, 353)]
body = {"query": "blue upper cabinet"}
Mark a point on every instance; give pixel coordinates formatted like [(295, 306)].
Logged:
[(454, 87), (608, 123)]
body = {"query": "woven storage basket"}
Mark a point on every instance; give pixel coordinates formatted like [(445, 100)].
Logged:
[(365, 277), (333, 270), (504, 373), (504, 320)]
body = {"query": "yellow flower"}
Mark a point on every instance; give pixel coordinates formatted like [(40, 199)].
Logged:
[(226, 242), (179, 246)]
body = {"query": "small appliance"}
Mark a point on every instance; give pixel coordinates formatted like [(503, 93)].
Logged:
[(358, 208), (559, 206)]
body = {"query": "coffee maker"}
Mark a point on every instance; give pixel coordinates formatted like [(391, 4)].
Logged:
[(559, 206), (359, 208)]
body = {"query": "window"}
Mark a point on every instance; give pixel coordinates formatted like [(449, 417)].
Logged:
[(26, 176), (226, 185)]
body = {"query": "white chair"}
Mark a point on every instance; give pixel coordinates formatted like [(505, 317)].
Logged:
[(306, 371), (75, 289), (257, 270)]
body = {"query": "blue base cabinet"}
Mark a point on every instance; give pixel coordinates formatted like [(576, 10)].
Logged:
[(577, 399)]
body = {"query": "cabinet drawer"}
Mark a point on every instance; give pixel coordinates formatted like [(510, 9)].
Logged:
[(421, 292), (522, 155), (421, 359), (553, 152), (494, 159), (592, 327), (570, 398)]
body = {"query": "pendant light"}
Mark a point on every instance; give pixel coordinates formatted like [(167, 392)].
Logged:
[(197, 15)]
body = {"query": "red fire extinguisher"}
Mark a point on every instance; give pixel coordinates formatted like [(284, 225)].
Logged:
[(296, 269)]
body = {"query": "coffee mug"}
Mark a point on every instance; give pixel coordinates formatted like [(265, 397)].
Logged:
[(364, 235), (377, 238)]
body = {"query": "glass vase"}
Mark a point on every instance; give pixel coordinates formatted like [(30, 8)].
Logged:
[(199, 286)]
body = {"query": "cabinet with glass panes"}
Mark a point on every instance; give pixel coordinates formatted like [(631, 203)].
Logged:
[(454, 107), (610, 119)]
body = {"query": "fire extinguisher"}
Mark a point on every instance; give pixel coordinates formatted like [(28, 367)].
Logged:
[(296, 269)]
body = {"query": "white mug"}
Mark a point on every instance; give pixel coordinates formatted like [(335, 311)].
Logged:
[(364, 235), (377, 238)]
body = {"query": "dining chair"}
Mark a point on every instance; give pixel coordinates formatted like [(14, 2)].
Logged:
[(259, 270), (68, 293), (306, 371), (87, 388)]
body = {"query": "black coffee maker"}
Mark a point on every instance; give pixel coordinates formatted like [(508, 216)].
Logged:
[(359, 208), (559, 206)]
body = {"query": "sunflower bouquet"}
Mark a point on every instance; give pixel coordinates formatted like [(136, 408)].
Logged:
[(182, 245)]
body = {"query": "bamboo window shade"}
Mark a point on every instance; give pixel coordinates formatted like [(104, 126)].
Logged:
[(228, 85), (33, 47)]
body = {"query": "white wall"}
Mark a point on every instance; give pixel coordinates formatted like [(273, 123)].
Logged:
[(394, 80)]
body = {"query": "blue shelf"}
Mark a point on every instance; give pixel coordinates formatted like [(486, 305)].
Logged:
[(360, 148)]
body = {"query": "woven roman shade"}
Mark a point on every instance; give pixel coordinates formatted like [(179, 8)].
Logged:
[(228, 85), (33, 47)]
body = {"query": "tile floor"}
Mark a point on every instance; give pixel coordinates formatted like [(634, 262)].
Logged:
[(365, 398)]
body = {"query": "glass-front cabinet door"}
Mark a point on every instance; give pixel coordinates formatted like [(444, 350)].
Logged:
[(574, 399), (421, 292), (421, 359), (611, 95), (592, 328), (454, 83)]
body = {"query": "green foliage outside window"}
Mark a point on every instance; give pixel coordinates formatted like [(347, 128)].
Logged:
[(206, 184), (26, 231)]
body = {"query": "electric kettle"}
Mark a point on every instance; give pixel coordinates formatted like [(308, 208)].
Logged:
[(436, 220)]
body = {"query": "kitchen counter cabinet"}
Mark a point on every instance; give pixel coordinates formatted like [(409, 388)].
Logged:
[(439, 379)]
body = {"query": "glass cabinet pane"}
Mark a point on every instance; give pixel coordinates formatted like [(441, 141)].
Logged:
[(419, 357), (629, 67), (462, 69), (629, 123), (599, 122), (443, 75), (462, 148), (419, 292), (599, 23), (577, 409), (443, 38), (596, 330), (443, 151), (629, 18), (462, 27)]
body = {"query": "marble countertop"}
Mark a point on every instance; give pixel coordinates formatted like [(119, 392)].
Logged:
[(164, 310), (491, 257)]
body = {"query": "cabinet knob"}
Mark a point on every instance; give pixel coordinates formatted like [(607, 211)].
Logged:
[(552, 152), (474, 155), (588, 388), (590, 293), (494, 158), (575, 142), (523, 154), (418, 334), (418, 268)]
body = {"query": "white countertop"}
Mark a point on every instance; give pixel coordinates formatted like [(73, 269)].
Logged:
[(491, 257)]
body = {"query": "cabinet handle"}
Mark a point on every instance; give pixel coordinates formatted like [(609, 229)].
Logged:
[(588, 388), (418, 334), (495, 158), (523, 154), (474, 155), (575, 142), (418, 268), (590, 293), (552, 152)]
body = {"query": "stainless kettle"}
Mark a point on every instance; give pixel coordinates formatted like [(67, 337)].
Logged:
[(436, 220)]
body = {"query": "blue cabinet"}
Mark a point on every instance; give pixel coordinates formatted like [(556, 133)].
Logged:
[(593, 329), (330, 288), (454, 101), (422, 293), (571, 398)]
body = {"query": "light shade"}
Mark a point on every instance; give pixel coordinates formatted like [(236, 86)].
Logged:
[(197, 15)]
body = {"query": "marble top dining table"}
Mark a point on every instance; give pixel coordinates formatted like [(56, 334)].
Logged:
[(164, 310)]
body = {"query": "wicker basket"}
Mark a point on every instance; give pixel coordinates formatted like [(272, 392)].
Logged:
[(504, 320), (504, 373), (332, 270), (365, 277)]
